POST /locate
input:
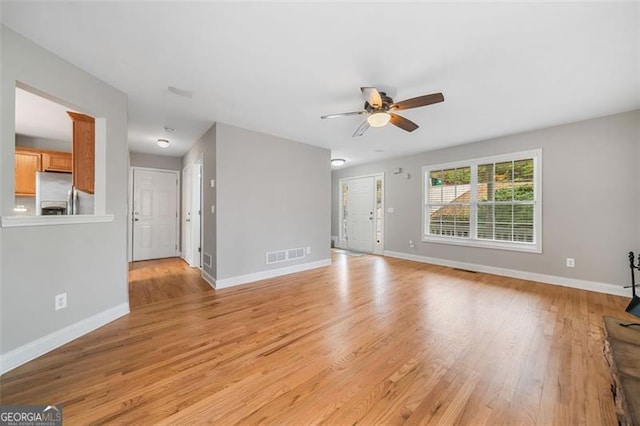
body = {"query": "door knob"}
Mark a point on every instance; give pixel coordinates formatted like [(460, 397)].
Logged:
[(136, 219)]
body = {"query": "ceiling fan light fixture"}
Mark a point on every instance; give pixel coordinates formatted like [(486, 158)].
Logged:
[(337, 162), (379, 119), (163, 143)]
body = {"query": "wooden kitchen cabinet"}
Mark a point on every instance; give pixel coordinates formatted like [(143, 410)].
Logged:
[(84, 148), (57, 162), (27, 163)]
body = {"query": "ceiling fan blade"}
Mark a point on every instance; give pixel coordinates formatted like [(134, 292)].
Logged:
[(403, 123), (343, 114), (420, 101), (372, 96), (363, 128)]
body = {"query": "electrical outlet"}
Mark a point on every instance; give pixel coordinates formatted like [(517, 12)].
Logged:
[(571, 263), (61, 301), (390, 210), (309, 250), (411, 244)]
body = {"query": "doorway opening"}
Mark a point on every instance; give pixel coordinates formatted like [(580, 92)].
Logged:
[(361, 213)]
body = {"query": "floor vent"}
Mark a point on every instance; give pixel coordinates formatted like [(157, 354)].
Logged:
[(465, 270), (285, 255)]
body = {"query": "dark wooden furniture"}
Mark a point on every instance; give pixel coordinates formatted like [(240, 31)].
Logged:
[(622, 351)]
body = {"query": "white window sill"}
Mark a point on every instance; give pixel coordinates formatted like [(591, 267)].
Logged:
[(499, 245), (20, 221)]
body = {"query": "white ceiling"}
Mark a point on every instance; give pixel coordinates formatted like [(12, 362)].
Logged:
[(276, 67), (38, 117)]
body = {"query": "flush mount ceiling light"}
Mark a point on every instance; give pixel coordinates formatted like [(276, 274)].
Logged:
[(379, 119), (163, 143), (337, 162)]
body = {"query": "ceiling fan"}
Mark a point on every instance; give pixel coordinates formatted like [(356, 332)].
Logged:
[(379, 108)]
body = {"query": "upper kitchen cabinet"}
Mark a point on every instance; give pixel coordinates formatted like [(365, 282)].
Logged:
[(27, 163), (84, 129), (57, 162)]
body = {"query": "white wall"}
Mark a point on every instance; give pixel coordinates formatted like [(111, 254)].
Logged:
[(591, 199), (42, 143), (272, 194), (87, 261), (205, 150), (153, 161)]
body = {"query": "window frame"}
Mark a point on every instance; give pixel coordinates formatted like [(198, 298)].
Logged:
[(473, 240)]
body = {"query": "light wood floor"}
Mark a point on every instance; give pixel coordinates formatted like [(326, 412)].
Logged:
[(369, 339), (153, 281)]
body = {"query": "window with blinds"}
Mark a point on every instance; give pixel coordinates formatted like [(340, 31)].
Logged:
[(449, 201), (489, 202)]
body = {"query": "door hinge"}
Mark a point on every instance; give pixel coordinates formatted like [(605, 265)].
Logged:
[(199, 249)]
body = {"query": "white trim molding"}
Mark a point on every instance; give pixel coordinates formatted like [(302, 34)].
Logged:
[(472, 239), (272, 273), (20, 221), (38, 347), (209, 279), (513, 273)]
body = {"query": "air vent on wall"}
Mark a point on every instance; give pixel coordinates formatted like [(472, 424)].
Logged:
[(295, 253), (206, 259), (284, 255)]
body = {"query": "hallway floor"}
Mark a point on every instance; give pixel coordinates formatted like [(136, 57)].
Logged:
[(159, 280)]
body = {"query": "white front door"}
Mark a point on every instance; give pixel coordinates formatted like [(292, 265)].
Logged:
[(154, 214), (359, 212)]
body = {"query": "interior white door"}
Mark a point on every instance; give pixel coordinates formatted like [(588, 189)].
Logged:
[(191, 214), (154, 214), (360, 205), (187, 243), (196, 221)]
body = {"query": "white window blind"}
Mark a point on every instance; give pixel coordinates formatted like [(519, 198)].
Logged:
[(489, 202)]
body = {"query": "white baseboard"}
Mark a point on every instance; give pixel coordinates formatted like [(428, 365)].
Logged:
[(208, 278), (272, 273), (41, 346), (531, 276)]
